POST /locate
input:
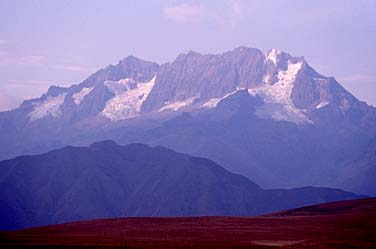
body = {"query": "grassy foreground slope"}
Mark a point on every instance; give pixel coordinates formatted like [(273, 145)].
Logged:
[(345, 224)]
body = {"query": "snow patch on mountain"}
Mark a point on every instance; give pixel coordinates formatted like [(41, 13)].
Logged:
[(322, 104), (80, 96), (280, 91), (177, 105), (50, 106), (213, 102), (273, 55), (266, 78), (277, 97), (128, 99)]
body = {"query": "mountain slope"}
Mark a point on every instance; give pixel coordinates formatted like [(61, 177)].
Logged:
[(107, 180), (273, 154), (360, 174)]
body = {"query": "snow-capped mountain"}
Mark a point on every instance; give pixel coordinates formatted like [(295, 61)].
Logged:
[(115, 93), (270, 111), (290, 89)]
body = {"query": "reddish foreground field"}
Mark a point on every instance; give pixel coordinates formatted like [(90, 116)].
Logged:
[(348, 224)]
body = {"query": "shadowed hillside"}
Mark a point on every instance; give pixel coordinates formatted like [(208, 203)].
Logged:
[(107, 180)]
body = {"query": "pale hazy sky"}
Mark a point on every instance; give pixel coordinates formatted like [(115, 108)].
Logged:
[(62, 42)]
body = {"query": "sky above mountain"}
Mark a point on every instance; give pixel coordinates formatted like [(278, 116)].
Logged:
[(62, 42)]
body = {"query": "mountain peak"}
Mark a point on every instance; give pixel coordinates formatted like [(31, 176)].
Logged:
[(243, 49), (185, 56), (193, 53), (279, 57), (56, 90), (105, 144), (131, 59)]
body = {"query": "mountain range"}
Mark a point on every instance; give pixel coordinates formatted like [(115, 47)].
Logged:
[(107, 180), (270, 117)]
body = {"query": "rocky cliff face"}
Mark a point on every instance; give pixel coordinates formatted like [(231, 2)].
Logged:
[(194, 78)]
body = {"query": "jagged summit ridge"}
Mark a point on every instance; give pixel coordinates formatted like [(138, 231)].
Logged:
[(291, 90)]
